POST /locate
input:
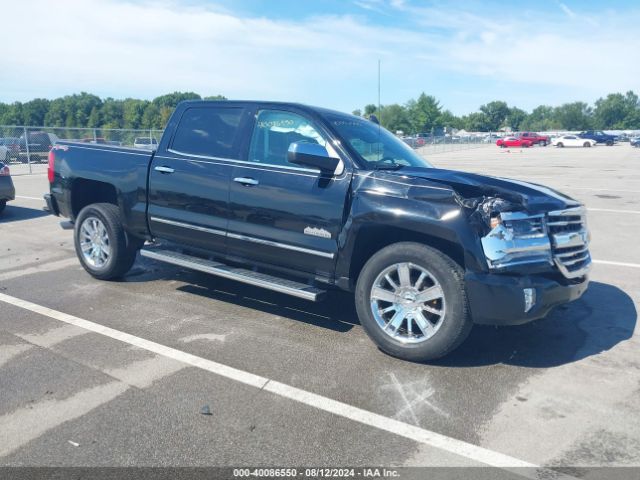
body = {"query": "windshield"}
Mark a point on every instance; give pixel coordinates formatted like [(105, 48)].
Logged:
[(375, 147)]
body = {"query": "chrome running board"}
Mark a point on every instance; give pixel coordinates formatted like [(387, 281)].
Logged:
[(250, 277)]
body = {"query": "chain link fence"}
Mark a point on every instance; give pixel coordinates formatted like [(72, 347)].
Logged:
[(27, 147)]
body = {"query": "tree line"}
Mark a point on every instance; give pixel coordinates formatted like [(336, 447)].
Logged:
[(616, 111), (87, 110)]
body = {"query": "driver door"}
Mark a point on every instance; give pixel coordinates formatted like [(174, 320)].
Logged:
[(283, 214)]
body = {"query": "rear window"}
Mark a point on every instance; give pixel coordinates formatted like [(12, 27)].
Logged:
[(209, 131)]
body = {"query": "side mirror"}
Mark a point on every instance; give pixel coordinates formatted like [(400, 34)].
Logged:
[(312, 155)]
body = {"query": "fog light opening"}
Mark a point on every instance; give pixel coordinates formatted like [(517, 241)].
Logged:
[(529, 298)]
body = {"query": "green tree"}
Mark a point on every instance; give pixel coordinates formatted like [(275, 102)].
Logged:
[(542, 118), (34, 111), (574, 116), (112, 113), (424, 113), (132, 112), (495, 114), (475, 122), (616, 110), (370, 109), (172, 99), (515, 118), (151, 117), (449, 120), (395, 117)]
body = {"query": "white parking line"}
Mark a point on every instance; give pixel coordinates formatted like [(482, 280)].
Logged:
[(30, 198), (571, 187), (618, 264), (612, 210), (365, 417)]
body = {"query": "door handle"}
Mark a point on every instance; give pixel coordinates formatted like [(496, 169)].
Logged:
[(164, 169), (246, 180)]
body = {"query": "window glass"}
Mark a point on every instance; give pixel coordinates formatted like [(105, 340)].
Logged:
[(209, 131), (375, 147), (275, 131)]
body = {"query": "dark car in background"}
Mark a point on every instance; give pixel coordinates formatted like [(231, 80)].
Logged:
[(635, 142), (599, 136), (14, 148), (37, 146), (7, 190)]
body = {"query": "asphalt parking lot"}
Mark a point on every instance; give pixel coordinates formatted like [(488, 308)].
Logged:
[(306, 386)]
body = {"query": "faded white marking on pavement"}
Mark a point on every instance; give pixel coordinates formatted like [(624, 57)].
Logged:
[(21, 426), (413, 396), (7, 352), (53, 336), (204, 336), (417, 434), (143, 373), (570, 187), (618, 264), (45, 267), (612, 210), (30, 198)]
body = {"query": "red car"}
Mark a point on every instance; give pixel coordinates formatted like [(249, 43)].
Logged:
[(513, 142), (534, 138)]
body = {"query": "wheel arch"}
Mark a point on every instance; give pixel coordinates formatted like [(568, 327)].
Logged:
[(373, 238), (85, 192)]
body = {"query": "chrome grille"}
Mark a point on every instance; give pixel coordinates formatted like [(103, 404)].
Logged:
[(570, 241)]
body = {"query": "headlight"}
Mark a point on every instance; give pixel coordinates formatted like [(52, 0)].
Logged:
[(516, 238)]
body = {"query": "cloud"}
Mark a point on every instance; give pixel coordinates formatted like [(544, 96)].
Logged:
[(124, 48), (570, 13)]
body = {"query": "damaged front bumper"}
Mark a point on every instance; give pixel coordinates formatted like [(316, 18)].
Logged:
[(496, 299)]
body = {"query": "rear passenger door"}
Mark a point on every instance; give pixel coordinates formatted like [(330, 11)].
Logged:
[(282, 214), (189, 176)]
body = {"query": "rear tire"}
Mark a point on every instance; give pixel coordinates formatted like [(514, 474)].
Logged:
[(412, 339), (3, 204), (587, 144), (560, 144), (101, 242), (609, 143)]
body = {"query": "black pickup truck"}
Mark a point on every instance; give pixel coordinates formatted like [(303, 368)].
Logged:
[(300, 199)]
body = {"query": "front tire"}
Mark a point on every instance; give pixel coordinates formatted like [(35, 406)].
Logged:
[(101, 242), (560, 145), (3, 204), (411, 301), (587, 144)]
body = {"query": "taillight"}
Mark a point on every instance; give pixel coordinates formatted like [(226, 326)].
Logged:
[(4, 171), (50, 169)]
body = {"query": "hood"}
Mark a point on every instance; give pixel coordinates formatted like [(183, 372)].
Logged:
[(534, 198)]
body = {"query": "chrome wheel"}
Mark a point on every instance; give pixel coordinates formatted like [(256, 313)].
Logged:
[(407, 303), (94, 242)]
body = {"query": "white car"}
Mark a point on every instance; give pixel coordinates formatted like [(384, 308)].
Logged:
[(572, 141), (145, 143)]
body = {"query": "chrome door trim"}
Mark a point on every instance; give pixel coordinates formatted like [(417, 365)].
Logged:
[(280, 245), (244, 237), (163, 169), (242, 162), (188, 225)]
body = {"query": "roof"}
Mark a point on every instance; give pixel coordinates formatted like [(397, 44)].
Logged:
[(319, 110)]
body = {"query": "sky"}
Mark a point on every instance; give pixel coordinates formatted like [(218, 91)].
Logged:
[(325, 52)]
